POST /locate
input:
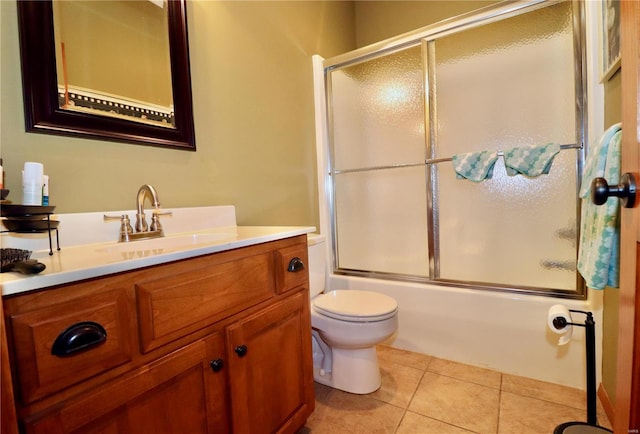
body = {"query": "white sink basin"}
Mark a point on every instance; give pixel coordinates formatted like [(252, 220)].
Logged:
[(158, 246)]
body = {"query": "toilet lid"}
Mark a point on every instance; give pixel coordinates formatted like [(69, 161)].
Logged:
[(355, 305)]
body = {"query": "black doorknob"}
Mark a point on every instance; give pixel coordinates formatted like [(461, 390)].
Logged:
[(626, 190), (241, 350), (217, 365)]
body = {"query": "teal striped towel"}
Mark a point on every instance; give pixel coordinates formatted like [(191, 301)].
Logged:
[(599, 248), (475, 166), (530, 160)]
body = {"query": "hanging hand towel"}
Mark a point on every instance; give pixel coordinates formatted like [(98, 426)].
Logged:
[(598, 254), (475, 166), (530, 160)]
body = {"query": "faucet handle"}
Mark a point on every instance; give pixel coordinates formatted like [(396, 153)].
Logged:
[(160, 212), (155, 219), (125, 226)]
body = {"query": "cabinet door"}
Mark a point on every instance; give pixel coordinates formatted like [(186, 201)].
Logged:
[(172, 395), (270, 368)]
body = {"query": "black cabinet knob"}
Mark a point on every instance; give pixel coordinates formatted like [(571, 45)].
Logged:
[(241, 350), (626, 190), (217, 365)]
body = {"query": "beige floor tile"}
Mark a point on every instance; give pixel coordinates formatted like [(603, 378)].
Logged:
[(460, 403), (387, 354), (346, 413), (474, 374), (546, 391), (524, 415), (399, 383), (413, 423), (450, 398)]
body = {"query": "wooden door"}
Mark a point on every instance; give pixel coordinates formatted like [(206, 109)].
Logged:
[(627, 406), (270, 368)]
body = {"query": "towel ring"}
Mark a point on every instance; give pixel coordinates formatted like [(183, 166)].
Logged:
[(626, 190)]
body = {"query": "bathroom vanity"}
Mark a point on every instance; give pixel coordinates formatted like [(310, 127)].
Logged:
[(218, 341)]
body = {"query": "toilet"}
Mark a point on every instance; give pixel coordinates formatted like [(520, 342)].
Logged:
[(346, 327)]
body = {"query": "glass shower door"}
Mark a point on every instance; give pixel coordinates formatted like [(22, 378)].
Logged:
[(502, 85), (379, 185)]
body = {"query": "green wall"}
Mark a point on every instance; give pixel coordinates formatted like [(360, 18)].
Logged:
[(254, 118)]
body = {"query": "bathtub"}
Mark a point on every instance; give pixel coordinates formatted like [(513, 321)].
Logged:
[(501, 331)]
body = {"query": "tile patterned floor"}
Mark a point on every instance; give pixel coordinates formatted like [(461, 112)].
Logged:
[(421, 394)]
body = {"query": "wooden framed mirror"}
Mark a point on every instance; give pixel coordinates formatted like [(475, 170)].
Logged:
[(53, 105)]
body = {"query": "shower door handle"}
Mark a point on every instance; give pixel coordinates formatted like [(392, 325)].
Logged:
[(626, 190)]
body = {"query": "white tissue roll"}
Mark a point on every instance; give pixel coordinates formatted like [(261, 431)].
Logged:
[(560, 311), (565, 338)]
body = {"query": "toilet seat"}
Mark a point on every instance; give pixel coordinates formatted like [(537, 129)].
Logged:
[(355, 306)]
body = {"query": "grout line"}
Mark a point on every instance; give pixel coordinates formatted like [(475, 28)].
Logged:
[(413, 395), (401, 419)]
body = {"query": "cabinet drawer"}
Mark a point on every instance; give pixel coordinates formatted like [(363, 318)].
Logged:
[(39, 372), (174, 306), (291, 267)]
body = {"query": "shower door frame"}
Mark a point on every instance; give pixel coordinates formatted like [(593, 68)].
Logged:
[(426, 37)]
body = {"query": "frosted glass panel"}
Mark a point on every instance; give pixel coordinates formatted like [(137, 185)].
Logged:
[(509, 230), (381, 221), (378, 111), (513, 231), (506, 84)]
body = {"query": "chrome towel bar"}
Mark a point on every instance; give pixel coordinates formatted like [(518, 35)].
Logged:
[(426, 162)]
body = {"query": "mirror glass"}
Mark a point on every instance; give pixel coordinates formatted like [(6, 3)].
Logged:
[(112, 58), (110, 70)]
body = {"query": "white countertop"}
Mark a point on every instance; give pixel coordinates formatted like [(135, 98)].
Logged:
[(84, 261)]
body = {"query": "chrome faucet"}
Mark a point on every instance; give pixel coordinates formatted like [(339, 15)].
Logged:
[(143, 192)]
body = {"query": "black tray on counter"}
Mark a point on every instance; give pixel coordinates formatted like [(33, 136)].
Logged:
[(29, 224), (15, 210), (30, 219)]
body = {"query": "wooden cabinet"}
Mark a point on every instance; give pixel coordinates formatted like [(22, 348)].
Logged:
[(267, 365), (215, 344)]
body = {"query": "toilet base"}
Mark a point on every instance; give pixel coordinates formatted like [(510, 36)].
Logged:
[(353, 370)]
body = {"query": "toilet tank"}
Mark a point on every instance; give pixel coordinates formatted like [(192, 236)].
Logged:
[(317, 263)]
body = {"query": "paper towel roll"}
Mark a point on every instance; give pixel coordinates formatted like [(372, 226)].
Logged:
[(32, 180), (33, 173), (558, 313)]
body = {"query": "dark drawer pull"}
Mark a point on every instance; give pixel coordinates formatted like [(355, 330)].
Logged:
[(295, 265), (79, 337)]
